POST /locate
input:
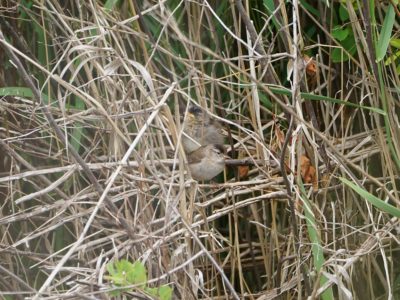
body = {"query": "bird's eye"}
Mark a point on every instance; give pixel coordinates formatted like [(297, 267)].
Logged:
[(195, 110), (217, 151)]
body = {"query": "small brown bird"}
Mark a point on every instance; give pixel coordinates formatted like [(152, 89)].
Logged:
[(207, 162), (199, 129)]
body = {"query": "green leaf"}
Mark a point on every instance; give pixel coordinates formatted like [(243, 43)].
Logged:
[(118, 279), (110, 268), (372, 12), (392, 58), (395, 43), (23, 7), (110, 5), (123, 266), (163, 292), (77, 132), (19, 92), (346, 103), (310, 8), (343, 13), (265, 101), (139, 274), (314, 97), (316, 247), (151, 291), (384, 100), (340, 33), (386, 32), (123, 273), (375, 201), (338, 55), (311, 31), (350, 44), (270, 7), (120, 271)]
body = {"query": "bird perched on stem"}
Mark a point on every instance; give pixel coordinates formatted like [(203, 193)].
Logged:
[(199, 129), (207, 162)]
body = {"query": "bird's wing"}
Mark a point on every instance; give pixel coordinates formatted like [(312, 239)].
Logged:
[(194, 158)]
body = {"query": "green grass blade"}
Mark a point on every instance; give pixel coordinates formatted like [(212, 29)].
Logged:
[(111, 4), (316, 247), (19, 92), (375, 201), (270, 6), (310, 8), (77, 131), (384, 100), (308, 96), (386, 32)]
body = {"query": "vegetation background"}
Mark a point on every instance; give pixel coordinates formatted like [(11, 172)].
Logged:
[(93, 176)]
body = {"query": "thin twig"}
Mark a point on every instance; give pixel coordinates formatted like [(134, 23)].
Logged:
[(295, 95), (29, 82)]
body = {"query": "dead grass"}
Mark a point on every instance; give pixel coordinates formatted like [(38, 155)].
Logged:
[(114, 89)]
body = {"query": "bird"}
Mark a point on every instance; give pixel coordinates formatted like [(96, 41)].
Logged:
[(207, 162), (199, 129)]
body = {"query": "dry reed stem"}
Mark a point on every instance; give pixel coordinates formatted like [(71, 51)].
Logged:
[(206, 240)]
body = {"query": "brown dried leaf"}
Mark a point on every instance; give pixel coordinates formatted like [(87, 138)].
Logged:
[(311, 71), (243, 171), (308, 172)]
